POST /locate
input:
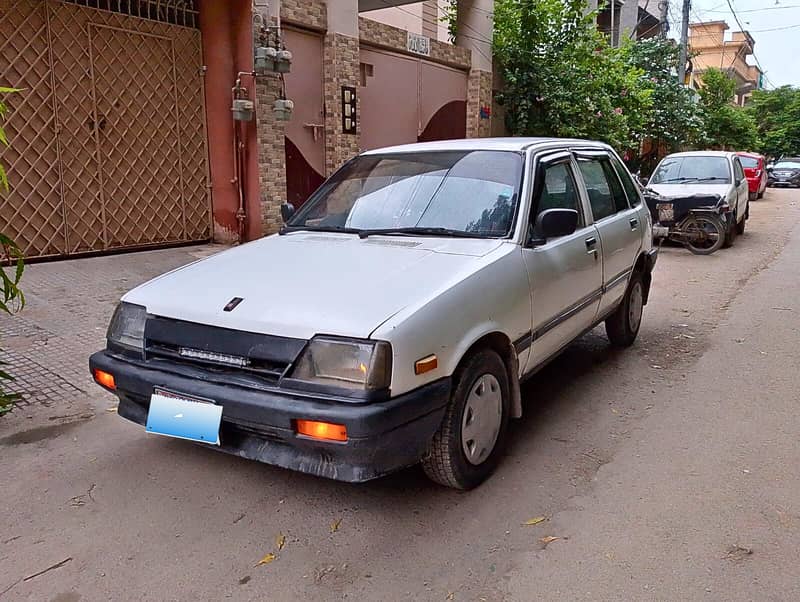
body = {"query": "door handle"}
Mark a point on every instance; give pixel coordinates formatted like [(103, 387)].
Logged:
[(591, 246), (634, 223)]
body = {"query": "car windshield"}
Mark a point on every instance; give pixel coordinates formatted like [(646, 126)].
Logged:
[(748, 162), (698, 168), (466, 193), (787, 165)]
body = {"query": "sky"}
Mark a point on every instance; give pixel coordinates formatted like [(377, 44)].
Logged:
[(777, 50)]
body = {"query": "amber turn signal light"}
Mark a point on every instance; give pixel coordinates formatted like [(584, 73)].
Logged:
[(426, 364), (324, 431), (105, 379)]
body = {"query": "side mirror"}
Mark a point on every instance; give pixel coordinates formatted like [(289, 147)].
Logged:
[(552, 223), (287, 211)]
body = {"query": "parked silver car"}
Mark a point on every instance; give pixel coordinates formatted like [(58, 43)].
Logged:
[(394, 317)]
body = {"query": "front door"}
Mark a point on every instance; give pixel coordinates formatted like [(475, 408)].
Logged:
[(616, 221), (566, 273), (305, 132)]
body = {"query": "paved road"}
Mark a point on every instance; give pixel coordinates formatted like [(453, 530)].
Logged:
[(668, 471)]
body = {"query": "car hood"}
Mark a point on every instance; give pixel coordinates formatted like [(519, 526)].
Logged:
[(304, 283), (671, 190)]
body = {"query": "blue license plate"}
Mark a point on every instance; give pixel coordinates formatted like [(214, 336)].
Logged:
[(183, 417)]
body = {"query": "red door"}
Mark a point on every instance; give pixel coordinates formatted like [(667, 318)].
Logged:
[(305, 132)]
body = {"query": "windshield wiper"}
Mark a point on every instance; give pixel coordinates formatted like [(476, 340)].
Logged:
[(337, 229), (419, 232), (710, 178), (681, 179)]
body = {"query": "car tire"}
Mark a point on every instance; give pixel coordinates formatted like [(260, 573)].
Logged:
[(623, 325), (760, 195), (752, 196), (730, 234), (481, 394)]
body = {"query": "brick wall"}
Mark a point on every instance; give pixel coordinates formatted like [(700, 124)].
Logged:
[(479, 94), (307, 13), (271, 154), (394, 38), (340, 68)]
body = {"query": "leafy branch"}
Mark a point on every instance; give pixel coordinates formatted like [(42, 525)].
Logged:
[(12, 298)]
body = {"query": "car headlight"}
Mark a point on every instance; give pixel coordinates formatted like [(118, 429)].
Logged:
[(346, 363), (127, 327)]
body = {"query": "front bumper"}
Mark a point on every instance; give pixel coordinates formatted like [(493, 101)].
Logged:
[(258, 424)]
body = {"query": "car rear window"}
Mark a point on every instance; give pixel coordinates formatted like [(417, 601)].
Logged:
[(696, 168), (749, 162)]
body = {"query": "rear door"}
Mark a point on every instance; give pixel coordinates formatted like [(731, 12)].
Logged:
[(618, 224), (565, 273)]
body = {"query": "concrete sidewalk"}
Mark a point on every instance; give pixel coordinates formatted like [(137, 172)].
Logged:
[(69, 304)]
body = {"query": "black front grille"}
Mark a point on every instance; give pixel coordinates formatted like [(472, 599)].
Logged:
[(266, 357)]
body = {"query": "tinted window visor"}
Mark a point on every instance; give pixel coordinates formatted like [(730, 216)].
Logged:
[(680, 170), (459, 193)]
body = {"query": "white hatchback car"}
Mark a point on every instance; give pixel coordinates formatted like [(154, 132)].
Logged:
[(716, 173), (395, 315)]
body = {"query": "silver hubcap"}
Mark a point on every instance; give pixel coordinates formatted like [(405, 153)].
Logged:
[(483, 415), (635, 306)]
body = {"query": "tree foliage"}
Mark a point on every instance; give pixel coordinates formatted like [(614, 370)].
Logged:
[(727, 126), (11, 297), (777, 114), (675, 119), (561, 76)]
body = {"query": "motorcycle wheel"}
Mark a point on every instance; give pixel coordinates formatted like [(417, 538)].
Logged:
[(711, 231)]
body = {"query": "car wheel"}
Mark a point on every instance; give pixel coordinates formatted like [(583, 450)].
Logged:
[(752, 196), (760, 195), (623, 325), (467, 447), (730, 234)]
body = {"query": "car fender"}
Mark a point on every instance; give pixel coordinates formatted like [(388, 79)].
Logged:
[(495, 298)]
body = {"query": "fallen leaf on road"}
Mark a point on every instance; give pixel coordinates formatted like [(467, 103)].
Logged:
[(335, 525), (737, 553), (535, 521), (450, 596), (280, 541), (112, 410), (267, 559), (655, 367), (783, 308), (549, 539)]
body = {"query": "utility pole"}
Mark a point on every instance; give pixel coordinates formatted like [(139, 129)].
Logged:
[(663, 17), (687, 5)]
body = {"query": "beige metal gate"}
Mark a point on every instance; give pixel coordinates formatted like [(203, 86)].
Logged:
[(108, 135)]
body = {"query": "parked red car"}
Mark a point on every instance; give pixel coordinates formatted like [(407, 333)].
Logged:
[(755, 170)]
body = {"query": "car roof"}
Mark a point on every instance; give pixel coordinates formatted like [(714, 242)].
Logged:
[(709, 153), (489, 144), (754, 155)]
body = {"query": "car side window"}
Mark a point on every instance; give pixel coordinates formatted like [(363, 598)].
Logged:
[(634, 198), (605, 191), (558, 191)]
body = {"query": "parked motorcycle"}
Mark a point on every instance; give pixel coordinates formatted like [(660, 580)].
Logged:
[(698, 222)]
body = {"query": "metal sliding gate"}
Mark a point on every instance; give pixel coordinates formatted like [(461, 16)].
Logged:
[(108, 142)]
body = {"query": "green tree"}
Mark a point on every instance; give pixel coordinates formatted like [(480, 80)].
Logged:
[(11, 297), (562, 78), (727, 126), (777, 115), (675, 119)]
